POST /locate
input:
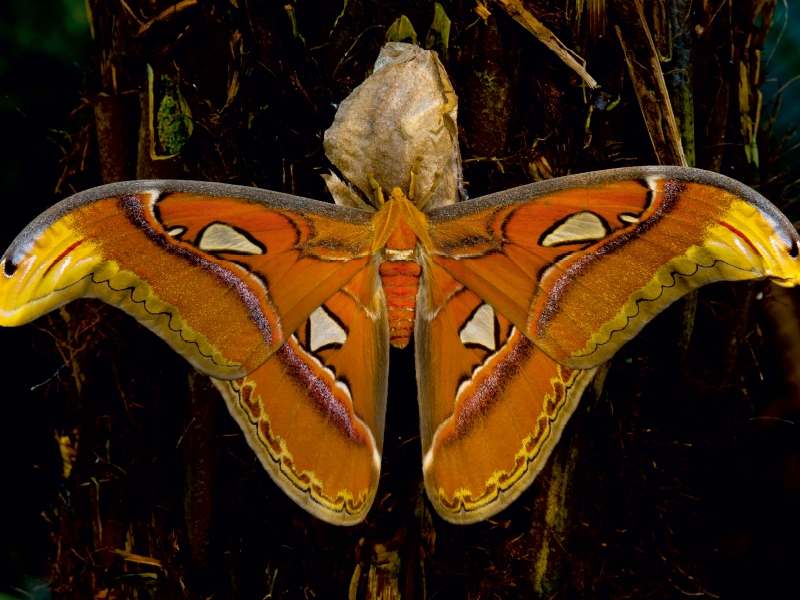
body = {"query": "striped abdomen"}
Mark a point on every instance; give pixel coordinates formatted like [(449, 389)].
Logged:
[(400, 283)]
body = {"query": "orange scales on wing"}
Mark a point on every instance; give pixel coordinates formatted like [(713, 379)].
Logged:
[(400, 276)]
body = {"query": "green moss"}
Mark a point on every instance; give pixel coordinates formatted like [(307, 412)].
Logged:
[(173, 121)]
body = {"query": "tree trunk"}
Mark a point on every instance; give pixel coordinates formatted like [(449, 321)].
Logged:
[(677, 474)]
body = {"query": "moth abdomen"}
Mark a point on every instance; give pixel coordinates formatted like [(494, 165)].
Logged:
[(400, 283)]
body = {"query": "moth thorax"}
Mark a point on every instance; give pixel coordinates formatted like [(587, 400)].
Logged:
[(400, 277)]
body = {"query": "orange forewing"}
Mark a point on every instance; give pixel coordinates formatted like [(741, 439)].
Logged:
[(314, 412), (582, 269), (224, 280), (492, 405)]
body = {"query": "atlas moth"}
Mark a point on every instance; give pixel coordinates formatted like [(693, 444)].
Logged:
[(513, 300)]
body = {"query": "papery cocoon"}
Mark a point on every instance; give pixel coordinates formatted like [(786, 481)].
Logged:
[(400, 112)]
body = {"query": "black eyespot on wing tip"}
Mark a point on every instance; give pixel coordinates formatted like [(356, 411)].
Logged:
[(9, 268), (794, 251)]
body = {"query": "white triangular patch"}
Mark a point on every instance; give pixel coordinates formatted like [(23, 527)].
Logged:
[(480, 328), (324, 330), (219, 237), (580, 227)]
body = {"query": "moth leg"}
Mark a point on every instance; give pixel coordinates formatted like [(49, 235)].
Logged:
[(413, 187), (376, 189), (424, 200)]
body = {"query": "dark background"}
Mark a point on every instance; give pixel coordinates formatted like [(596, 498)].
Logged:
[(44, 56)]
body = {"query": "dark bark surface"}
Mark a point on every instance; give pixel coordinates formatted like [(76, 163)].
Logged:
[(678, 476)]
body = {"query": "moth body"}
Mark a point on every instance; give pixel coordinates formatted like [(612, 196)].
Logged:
[(400, 274)]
